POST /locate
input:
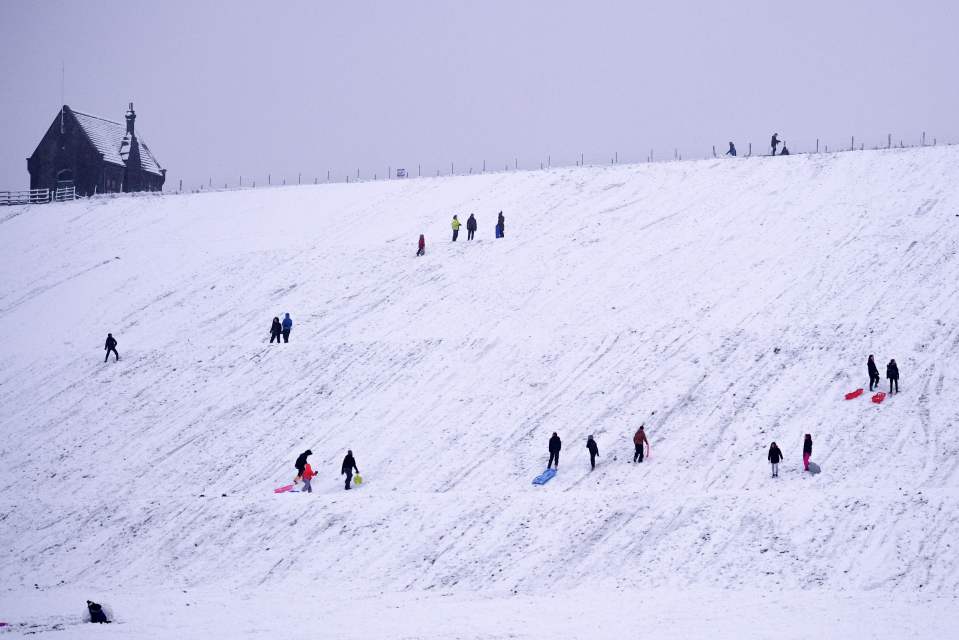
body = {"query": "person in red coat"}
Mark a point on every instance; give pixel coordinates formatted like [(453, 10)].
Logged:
[(422, 246), (639, 439)]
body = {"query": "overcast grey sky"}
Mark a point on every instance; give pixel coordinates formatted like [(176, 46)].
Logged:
[(224, 89)]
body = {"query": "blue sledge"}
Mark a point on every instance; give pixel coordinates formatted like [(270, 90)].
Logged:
[(544, 477)]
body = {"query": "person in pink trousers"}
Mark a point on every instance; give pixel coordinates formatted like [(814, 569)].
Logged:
[(806, 452)]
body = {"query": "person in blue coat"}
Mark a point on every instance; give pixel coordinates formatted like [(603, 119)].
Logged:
[(287, 327), (732, 150)]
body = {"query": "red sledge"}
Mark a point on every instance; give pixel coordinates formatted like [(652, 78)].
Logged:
[(854, 394), (283, 489), (879, 397)]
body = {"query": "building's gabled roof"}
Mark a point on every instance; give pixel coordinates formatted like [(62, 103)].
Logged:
[(108, 138)]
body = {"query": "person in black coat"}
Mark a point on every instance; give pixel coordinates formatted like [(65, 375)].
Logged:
[(470, 227), (300, 463), (774, 142), (593, 449), (275, 331), (892, 372), (732, 150), (110, 346), (873, 373), (96, 613), (500, 225), (806, 451), (347, 468), (775, 457), (555, 444)]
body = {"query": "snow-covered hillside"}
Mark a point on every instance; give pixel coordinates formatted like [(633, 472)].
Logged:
[(725, 304)]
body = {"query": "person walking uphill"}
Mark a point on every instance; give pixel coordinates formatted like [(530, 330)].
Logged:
[(456, 228), (555, 445), (347, 468), (892, 372), (775, 457), (308, 475), (470, 227), (873, 373), (275, 330), (593, 449), (806, 452), (287, 327), (422, 246), (500, 225), (639, 439), (110, 346)]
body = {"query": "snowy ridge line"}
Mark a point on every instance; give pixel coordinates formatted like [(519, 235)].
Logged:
[(724, 304)]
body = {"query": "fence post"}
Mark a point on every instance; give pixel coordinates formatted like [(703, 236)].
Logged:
[(181, 186), (269, 179), (750, 149), (484, 166), (549, 161), (817, 145), (298, 177), (451, 168), (714, 151), (419, 170), (616, 156), (852, 143), (254, 184), (923, 138)]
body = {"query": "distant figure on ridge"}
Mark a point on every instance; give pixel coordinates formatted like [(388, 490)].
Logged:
[(873, 373), (287, 327), (892, 372), (470, 227), (732, 150), (421, 251), (806, 452), (593, 449), (500, 226), (775, 457), (275, 330), (347, 468), (456, 227), (639, 439), (110, 346), (774, 142), (555, 444)]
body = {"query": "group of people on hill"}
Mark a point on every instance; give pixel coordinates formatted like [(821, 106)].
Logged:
[(471, 227), (305, 473), (892, 374), (281, 328), (640, 442), (774, 143)]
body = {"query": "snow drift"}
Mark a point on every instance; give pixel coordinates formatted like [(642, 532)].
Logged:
[(726, 304)]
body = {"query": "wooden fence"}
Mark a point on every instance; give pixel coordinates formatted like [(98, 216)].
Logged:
[(37, 196)]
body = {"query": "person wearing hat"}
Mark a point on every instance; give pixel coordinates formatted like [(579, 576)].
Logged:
[(892, 373), (300, 464), (347, 468), (456, 224), (287, 327), (555, 445), (593, 449)]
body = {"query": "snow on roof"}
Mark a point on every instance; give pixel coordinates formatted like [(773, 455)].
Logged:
[(108, 138)]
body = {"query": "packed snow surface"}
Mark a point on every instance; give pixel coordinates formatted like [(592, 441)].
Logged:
[(725, 304)]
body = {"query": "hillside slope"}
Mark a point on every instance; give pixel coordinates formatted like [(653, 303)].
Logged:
[(725, 303)]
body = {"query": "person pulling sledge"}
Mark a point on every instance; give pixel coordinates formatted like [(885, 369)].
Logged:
[(456, 227), (806, 452), (873, 373), (287, 327), (639, 440), (593, 449), (275, 330), (555, 445), (775, 457), (470, 227), (892, 373), (348, 467), (110, 346), (422, 246)]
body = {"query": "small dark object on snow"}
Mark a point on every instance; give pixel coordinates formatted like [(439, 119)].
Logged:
[(96, 613)]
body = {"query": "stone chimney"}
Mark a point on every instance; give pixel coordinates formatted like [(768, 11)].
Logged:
[(131, 116)]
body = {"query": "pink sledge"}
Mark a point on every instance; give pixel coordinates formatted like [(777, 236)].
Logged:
[(283, 489), (879, 397), (854, 394)]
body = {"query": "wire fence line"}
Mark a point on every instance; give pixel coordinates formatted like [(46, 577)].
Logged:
[(401, 172)]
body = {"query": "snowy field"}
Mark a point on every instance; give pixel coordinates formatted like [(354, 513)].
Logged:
[(725, 303)]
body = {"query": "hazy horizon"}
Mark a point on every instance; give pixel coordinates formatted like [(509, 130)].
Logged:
[(224, 90)]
